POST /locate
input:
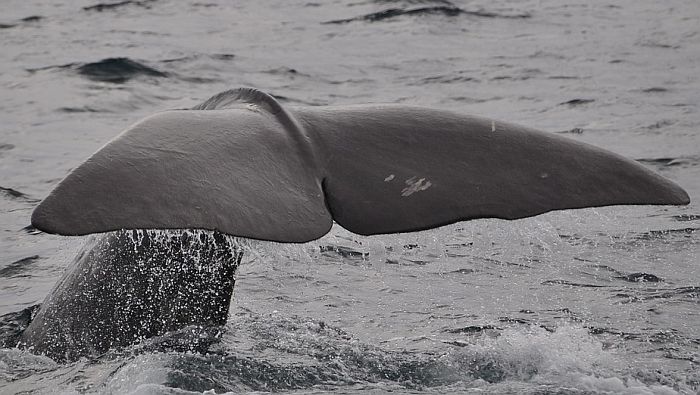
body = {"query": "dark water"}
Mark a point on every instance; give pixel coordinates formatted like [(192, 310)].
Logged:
[(583, 302)]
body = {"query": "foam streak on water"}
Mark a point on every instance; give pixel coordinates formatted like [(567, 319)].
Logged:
[(585, 302)]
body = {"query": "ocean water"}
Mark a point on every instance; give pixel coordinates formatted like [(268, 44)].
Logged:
[(594, 301)]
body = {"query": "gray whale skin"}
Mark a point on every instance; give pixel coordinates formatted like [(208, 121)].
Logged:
[(241, 164)]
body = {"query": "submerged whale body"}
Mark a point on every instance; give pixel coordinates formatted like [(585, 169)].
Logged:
[(241, 164)]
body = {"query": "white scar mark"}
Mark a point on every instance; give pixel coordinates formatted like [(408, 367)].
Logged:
[(415, 185), (493, 126), (391, 177)]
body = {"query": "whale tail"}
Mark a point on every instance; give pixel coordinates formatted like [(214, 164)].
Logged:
[(242, 164)]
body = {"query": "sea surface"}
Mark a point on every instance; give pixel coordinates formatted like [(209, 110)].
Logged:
[(593, 301)]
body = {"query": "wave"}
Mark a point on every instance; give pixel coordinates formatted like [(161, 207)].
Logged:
[(82, 109), (572, 131), (13, 324), (19, 267), (689, 293), (117, 70), (613, 273), (445, 10), (6, 147), (571, 284), (641, 278), (112, 6), (655, 89), (25, 20), (113, 70), (275, 354), (15, 194), (666, 233), (686, 217), (670, 161), (445, 79), (576, 102)]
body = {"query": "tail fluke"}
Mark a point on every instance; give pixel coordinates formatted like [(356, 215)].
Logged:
[(242, 164)]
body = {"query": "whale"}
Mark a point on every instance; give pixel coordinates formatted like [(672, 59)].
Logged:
[(169, 199)]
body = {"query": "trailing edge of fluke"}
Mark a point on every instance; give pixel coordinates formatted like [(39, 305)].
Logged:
[(243, 164)]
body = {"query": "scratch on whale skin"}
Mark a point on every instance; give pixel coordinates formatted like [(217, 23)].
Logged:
[(415, 184)]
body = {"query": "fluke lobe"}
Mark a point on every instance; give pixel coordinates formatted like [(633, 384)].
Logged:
[(241, 164)]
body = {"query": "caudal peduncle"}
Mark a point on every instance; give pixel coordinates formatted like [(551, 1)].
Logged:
[(132, 285)]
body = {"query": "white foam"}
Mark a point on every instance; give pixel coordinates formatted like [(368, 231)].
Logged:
[(569, 357)]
